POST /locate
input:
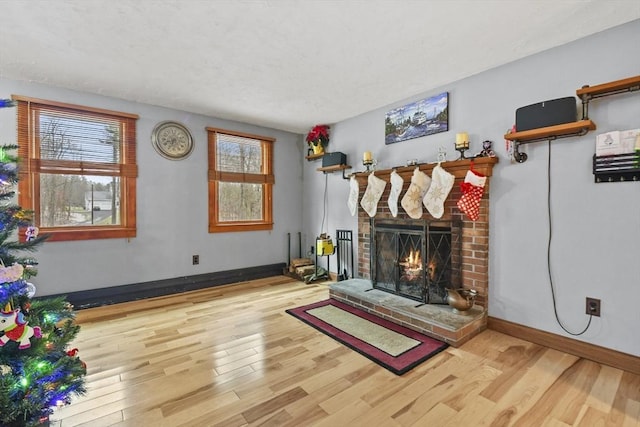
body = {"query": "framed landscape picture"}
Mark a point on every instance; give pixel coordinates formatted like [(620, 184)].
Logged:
[(420, 118)]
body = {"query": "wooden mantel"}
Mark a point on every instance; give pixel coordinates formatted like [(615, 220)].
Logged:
[(458, 168)]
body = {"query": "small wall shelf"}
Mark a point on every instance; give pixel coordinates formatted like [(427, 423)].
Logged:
[(564, 130), (311, 157), (552, 132), (335, 168), (587, 93)]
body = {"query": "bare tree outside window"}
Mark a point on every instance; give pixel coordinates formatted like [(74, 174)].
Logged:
[(54, 142), (241, 181), (78, 169), (78, 200), (113, 140), (239, 201)]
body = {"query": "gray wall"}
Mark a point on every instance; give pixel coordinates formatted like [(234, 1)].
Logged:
[(596, 237), (171, 207)]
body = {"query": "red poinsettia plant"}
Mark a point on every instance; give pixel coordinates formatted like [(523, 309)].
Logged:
[(318, 135)]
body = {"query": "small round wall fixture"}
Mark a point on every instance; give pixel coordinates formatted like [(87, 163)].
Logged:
[(172, 140)]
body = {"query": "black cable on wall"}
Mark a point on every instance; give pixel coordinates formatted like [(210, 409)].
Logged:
[(553, 294)]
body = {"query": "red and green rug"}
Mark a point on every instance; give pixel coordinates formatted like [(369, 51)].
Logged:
[(394, 347)]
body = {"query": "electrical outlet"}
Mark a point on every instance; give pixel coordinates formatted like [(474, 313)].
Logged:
[(196, 259), (593, 306)]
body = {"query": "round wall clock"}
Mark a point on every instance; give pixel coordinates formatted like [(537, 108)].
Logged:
[(172, 140)]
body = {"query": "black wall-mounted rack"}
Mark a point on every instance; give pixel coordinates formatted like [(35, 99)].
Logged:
[(617, 168)]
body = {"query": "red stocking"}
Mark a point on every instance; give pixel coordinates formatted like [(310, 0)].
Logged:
[(472, 191)]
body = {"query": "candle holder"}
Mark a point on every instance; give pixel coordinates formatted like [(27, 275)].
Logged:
[(462, 149), (368, 164), (462, 143)]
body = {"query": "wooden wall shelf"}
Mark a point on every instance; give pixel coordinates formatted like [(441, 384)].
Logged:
[(587, 93), (314, 156), (334, 168), (552, 132), (618, 86)]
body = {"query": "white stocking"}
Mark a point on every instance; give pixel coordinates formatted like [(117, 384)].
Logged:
[(412, 199), (375, 188), (353, 195), (441, 184), (394, 194)]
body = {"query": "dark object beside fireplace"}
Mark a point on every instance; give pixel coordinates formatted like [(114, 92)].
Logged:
[(416, 259)]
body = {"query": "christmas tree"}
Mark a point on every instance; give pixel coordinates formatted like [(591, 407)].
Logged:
[(38, 371)]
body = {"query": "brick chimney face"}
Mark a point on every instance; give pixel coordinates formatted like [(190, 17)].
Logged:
[(475, 234)]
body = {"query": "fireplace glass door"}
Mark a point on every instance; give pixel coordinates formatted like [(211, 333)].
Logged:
[(416, 261)]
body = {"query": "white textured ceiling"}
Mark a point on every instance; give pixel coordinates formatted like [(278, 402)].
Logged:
[(286, 64)]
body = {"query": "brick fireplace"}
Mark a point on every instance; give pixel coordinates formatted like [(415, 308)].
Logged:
[(437, 320)]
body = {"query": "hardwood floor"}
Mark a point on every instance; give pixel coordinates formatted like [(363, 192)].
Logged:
[(231, 356)]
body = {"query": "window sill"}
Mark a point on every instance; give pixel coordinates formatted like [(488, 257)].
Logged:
[(85, 233), (240, 227)]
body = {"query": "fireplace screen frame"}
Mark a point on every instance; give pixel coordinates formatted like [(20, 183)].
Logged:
[(391, 240)]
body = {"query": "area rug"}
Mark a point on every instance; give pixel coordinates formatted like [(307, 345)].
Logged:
[(392, 346)]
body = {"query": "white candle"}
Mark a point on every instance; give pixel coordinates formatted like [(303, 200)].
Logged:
[(367, 157), (462, 140)]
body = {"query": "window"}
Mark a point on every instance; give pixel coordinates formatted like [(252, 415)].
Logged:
[(240, 181), (77, 169)]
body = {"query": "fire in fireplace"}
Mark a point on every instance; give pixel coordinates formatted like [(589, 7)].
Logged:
[(416, 259), (411, 268)]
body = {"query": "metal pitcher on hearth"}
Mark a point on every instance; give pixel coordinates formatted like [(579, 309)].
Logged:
[(461, 299)]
